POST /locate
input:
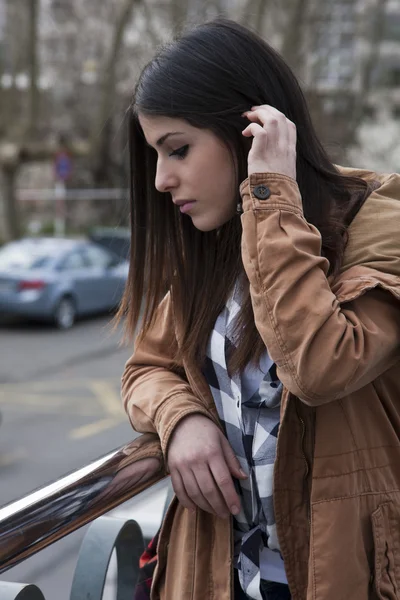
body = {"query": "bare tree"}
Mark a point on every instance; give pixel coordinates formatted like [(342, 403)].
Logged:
[(11, 154), (295, 33), (253, 14), (340, 112), (93, 52), (179, 14), (8, 170), (102, 127), (33, 7), (374, 33)]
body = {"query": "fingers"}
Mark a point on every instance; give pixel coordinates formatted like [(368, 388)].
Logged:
[(180, 491), (210, 493), (209, 485), (202, 463), (260, 138), (270, 122), (273, 149), (200, 489), (253, 130), (224, 482), (270, 114), (274, 122), (231, 460)]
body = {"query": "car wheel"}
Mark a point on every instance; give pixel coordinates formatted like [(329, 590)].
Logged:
[(65, 313)]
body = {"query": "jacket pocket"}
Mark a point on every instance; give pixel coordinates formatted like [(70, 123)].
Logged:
[(386, 532)]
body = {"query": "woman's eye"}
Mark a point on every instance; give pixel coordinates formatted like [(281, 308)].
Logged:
[(180, 152)]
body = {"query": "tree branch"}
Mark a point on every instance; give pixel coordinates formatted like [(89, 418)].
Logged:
[(99, 135), (33, 67), (295, 31)]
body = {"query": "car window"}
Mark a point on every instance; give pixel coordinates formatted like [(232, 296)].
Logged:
[(97, 257), (74, 260), (18, 256)]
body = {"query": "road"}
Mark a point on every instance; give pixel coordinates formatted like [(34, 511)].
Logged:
[(61, 409)]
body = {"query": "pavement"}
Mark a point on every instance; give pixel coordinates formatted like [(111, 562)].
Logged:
[(61, 409)]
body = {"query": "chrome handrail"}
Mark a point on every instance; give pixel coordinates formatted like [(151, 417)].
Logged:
[(34, 522)]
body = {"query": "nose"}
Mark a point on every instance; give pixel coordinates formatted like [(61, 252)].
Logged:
[(166, 179)]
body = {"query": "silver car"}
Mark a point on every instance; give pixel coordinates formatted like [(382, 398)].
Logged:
[(59, 280)]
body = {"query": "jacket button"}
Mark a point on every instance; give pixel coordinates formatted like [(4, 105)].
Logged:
[(262, 192)]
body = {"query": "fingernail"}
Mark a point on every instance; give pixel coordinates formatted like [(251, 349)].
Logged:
[(243, 474), (234, 510), (244, 114)]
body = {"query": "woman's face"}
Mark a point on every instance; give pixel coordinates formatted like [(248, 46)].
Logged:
[(195, 167)]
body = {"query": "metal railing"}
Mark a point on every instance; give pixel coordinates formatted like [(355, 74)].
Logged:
[(38, 520)]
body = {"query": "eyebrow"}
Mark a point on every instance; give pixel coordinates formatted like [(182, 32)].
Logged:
[(162, 139)]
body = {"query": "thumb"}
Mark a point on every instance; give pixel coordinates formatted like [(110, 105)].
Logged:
[(231, 460)]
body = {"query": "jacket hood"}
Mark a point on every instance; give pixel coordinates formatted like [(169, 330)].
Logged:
[(374, 238)]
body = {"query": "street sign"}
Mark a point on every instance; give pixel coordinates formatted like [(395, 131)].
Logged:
[(62, 165)]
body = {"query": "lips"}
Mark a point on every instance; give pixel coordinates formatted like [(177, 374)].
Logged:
[(184, 208), (184, 205)]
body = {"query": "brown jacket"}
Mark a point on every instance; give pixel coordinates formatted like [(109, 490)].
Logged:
[(336, 344)]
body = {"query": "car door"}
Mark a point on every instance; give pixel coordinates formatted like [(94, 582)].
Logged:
[(100, 262), (76, 276)]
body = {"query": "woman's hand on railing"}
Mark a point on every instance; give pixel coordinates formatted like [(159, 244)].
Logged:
[(202, 464), (48, 514)]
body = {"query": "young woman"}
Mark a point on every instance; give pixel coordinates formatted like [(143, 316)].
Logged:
[(271, 284)]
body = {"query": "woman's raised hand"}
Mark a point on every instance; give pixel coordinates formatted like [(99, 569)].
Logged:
[(202, 464), (273, 149)]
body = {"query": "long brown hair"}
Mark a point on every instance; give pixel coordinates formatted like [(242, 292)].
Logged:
[(209, 77)]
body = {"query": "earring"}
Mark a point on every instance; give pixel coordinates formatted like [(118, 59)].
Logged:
[(239, 208)]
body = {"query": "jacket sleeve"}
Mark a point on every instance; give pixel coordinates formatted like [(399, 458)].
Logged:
[(323, 350), (155, 394)]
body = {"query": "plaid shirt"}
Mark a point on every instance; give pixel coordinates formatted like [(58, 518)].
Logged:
[(249, 409)]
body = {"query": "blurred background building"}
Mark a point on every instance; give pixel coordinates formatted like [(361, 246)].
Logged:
[(68, 68), (347, 33)]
